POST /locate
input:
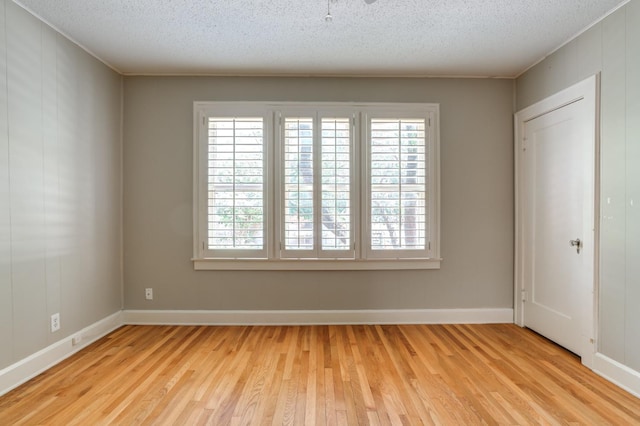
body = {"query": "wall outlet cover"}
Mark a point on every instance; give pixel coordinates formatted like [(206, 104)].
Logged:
[(55, 322)]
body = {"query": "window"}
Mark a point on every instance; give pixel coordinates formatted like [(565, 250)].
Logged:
[(316, 164), (397, 187), (316, 186), (236, 183)]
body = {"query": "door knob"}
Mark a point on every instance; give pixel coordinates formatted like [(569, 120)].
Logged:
[(576, 243)]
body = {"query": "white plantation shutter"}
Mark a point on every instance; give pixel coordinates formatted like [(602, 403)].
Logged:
[(336, 184), (298, 184), (398, 185), (235, 182)]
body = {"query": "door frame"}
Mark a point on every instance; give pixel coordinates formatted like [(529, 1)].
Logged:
[(588, 91)]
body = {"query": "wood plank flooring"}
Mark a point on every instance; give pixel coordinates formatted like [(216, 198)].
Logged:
[(333, 375)]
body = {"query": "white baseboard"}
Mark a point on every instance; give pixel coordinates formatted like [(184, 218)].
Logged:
[(618, 374), (286, 317), (29, 367)]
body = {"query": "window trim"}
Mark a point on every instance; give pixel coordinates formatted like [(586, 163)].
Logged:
[(273, 259)]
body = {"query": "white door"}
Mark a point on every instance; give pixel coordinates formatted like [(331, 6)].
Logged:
[(556, 220)]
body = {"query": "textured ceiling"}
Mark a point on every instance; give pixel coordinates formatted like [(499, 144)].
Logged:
[(499, 38)]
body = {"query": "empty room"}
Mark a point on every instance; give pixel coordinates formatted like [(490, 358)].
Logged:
[(325, 212)]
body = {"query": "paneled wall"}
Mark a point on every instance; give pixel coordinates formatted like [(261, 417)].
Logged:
[(60, 186), (611, 47)]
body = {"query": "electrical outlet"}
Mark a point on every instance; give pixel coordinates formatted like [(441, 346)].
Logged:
[(55, 322), (148, 293)]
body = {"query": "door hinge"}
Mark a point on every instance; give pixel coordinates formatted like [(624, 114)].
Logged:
[(524, 295), (524, 144)]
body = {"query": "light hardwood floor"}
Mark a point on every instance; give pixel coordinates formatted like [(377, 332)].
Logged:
[(350, 375)]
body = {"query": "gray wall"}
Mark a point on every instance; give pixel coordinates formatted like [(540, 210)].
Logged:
[(477, 199), (60, 174), (612, 47)]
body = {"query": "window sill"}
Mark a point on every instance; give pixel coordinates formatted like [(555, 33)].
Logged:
[(313, 264)]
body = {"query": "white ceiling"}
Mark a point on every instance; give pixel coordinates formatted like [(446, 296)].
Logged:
[(497, 38)]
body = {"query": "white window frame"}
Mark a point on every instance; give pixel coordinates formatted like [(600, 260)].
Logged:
[(317, 114), (432, 186), (203, 112), (361, 257)]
